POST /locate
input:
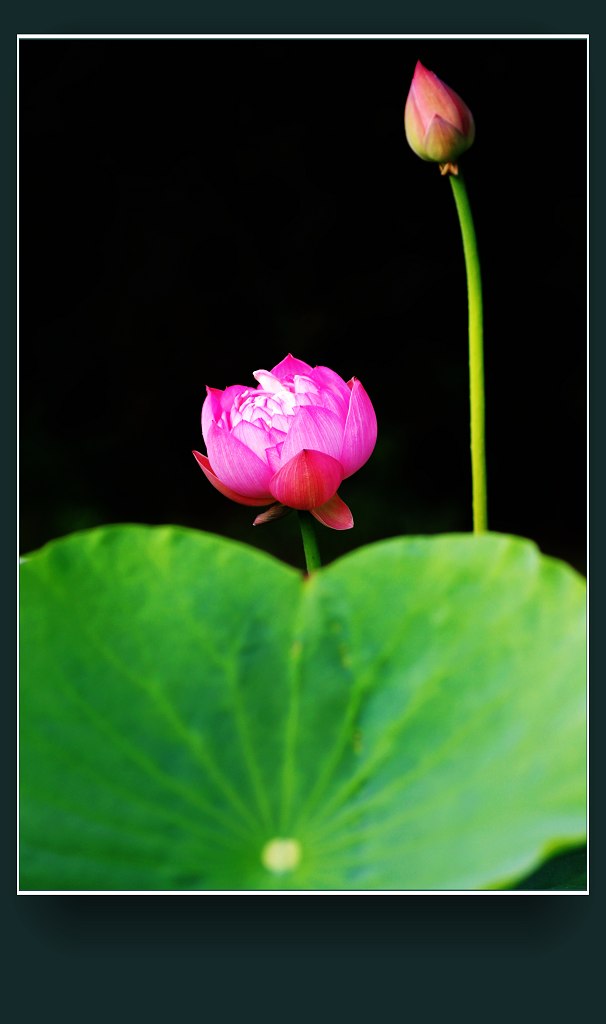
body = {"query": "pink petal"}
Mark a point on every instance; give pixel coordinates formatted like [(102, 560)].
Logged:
[(281, 423), (432, 96), (312, 398), (303, 383), (256, 437), (314, 429), (205, 466), (236, 466), (335, 514), (289, 366), (230, 394), (360, 434), (273, 457), (307, 481), (327, 379), (211, 410), (217, 406)]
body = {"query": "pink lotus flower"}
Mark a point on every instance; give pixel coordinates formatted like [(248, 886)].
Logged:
[(439, 126), (290, 440)]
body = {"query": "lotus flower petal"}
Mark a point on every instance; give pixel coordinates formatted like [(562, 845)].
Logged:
[(442, 137), (307, 481), (217, 406), (315, 429), (289, 367), (257, 439), (211, 410), (273, 456), (281, 422), (237, 466), (414, 126), (360, 433), (328, 379), (334, 513), (205, 466), (432, 96), (267, 380)]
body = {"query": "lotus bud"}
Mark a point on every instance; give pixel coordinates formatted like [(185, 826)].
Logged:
[(291, 440), (439, 125)]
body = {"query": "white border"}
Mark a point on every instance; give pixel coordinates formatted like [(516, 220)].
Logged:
[(312, 892)]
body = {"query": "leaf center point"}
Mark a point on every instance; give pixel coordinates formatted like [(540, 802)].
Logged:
[(281, 855)]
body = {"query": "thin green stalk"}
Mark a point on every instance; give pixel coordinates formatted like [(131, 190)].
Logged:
[(310, 544), (476, 353)]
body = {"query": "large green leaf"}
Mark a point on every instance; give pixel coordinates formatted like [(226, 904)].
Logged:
[(411, 717)]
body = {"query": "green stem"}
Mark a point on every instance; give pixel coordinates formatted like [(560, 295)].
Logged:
[(310, 544), (476, 353)]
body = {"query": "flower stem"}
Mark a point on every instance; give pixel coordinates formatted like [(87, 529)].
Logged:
[(476, 353), (310, 544)]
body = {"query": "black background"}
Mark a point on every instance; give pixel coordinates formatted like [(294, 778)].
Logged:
[(192, 210)]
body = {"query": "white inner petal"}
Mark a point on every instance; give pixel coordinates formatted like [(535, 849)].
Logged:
[(267, 380), (274, 402), (260, 407)]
